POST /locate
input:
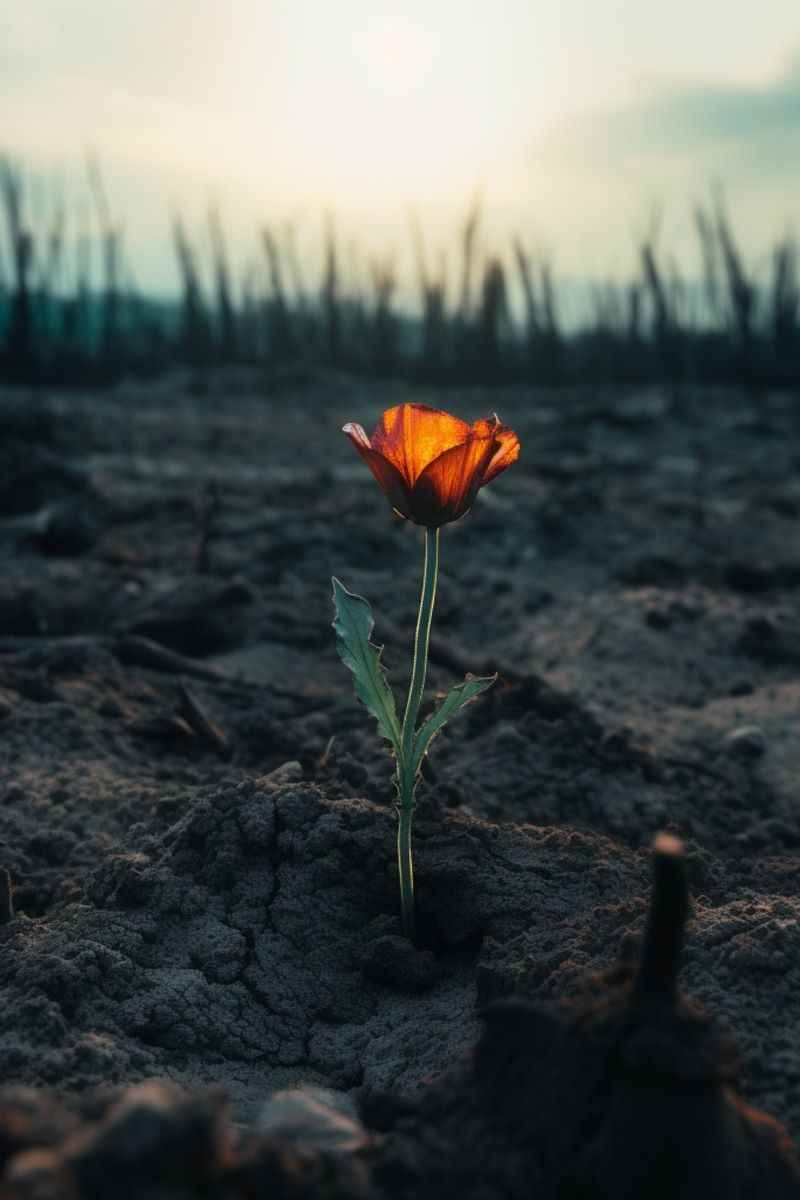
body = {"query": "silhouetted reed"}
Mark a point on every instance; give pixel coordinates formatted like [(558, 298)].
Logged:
[(383, 340), (278, 315), (432, 356), (784, 301), (330, 298), (495, 338), (111, 345), (501, 321), (542, 338), (195, 340), (19, 358), (468, 245), (227, 343), (741, 296)]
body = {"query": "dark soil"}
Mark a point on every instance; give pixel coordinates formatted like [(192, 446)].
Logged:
[(196, 813)]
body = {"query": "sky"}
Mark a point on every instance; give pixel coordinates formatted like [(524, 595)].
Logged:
[(579, 123)]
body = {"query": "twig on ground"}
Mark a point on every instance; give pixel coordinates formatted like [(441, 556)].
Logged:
[(142, 652), (206, 730), (326, 755)]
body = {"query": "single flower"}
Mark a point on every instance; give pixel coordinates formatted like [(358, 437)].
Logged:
[(431, 464)]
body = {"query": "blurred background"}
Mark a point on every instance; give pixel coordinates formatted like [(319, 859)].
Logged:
[(596, 190)]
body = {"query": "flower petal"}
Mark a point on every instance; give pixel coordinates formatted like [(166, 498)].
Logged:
[(447, 487), (412, 435), (507, 451), (385, 472), (356, 433)]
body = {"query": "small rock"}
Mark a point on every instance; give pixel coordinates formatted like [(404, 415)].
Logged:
[(747, 743), (288, 772), (155, 1131), (31, 1119), (315, 1118), (39, 1174), (769, 643), (658, 618)]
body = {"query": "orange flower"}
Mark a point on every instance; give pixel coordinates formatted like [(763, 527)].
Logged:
[(431, 464)]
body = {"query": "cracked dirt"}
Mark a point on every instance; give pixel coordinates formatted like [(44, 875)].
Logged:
[(218, 905)]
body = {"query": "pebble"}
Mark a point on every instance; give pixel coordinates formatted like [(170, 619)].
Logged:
[(315, 1118), (288, 772), (747, 742), (658, 618)]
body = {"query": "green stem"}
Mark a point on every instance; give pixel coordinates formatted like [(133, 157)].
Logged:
[(406, 865), (430, 572), (406, 775)]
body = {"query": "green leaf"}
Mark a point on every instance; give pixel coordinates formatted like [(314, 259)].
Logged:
[(456, 698), (353, 625)]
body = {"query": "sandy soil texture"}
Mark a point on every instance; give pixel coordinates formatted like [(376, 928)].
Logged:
[(196, 814)]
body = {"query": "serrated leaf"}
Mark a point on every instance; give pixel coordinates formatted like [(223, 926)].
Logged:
[(456, 698), (353, 625)]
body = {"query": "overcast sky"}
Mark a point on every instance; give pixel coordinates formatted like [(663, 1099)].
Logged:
[(576, 119)]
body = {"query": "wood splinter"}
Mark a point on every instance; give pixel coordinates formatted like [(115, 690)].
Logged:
[(206, 730), (657, 977)]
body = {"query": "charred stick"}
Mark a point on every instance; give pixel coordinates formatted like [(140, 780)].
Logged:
[(206, 730), (657, 978), (142, 652), (325, 759)]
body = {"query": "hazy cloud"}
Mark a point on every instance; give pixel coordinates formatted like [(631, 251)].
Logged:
[(756, 125)]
